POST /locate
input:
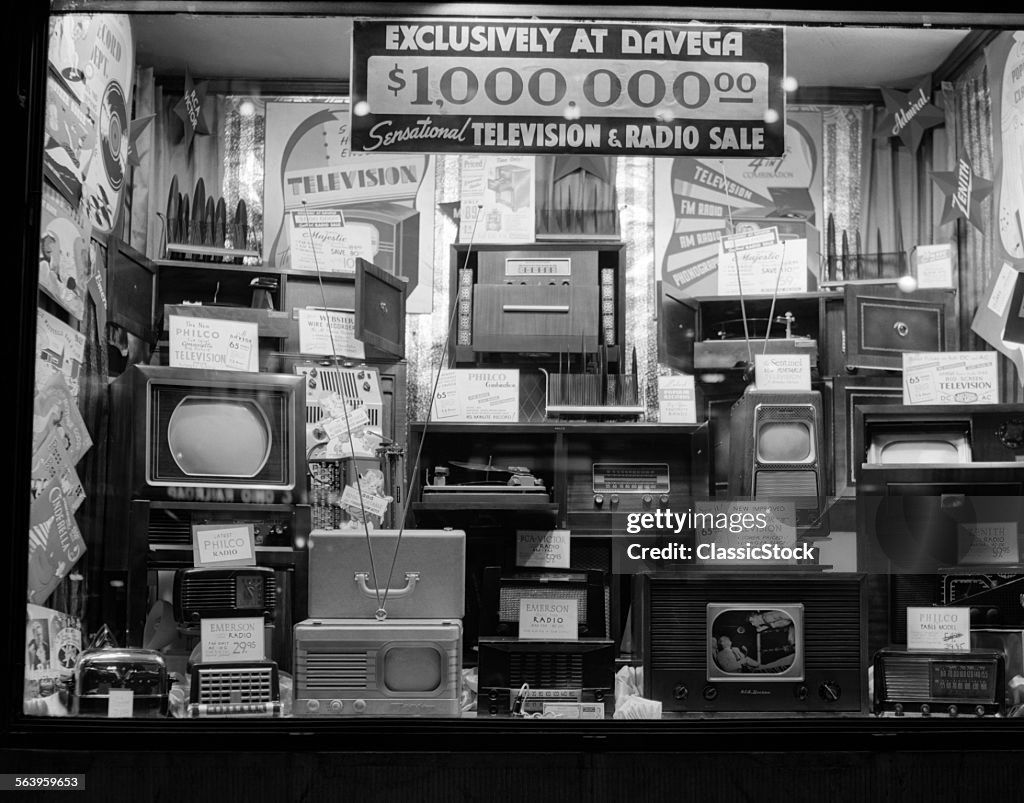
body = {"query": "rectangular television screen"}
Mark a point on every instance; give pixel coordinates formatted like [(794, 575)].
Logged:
[(747, 640)]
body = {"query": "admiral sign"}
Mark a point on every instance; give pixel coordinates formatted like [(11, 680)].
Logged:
[(465, 86)]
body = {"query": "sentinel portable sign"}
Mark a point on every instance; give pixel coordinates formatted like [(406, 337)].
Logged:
[(459, 85)]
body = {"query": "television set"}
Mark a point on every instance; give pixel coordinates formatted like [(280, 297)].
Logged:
[(777, 451), (928, 476), (370, 668), (189, 434), (724, 642)]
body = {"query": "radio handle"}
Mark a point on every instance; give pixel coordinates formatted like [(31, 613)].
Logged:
[(411, 578)]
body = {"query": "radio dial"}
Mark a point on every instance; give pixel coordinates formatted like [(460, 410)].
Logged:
[(980, 710), (359, 706), (336, 706), (615, 499), (312, 706), (830, 691), (663, 499), (926, 710), (710, 693), (598, 500), (898, 709), (800, 692), (681, 692), (647, 500), (953, 711)]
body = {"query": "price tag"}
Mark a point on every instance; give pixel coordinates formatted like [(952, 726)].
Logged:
[(120, 703), (549, 619), (217, 545), (933, 266), (990, 543), (236, 639)]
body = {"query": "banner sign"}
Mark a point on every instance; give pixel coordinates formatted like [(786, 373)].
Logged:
[(456, 85)]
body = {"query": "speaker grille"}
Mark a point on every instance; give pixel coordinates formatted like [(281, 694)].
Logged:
[(785, 483), (333, 670), (546, 670), (223, 686)]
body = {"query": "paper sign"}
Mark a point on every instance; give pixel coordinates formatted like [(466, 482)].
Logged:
[(548, 619), (120, 703), (778, 268), (939, 629), (329, 333), (677, 400), (546, 548), (235, 639), (217, 545), (213, 343), (1002, 289), (782, 372), (953, 377), (748, 240), (322, 241), (723, 529), (933, 266), (490, 395), (373, 504), (497, 193), (992, 543)]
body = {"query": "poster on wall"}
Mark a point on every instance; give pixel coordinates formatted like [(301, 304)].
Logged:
[(698, 200), (64, 254), (507, 86), (88, 100), (999, 320), (498, 199), (325, 206)]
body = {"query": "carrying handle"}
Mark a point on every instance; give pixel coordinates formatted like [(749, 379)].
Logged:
[(411, 579)]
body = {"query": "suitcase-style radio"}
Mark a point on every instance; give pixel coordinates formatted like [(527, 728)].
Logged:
[(235, 689), (937, 683), (366, 668)]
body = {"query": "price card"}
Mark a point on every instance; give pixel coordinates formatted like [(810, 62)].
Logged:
[(546, 548), (677, 400), (471, 394), (217, 545), (778, 268), (213, 343), (785, 372), (549, 619), (321, 241), (994, 542), (939, 629), (235, 639), (329, 333), (120, 703), (933, 266), (953, 377), (372, 503)]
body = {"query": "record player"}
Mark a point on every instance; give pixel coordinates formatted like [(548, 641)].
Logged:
[(504, 485)]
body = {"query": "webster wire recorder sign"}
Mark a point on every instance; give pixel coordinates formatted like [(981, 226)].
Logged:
[(457, 85)]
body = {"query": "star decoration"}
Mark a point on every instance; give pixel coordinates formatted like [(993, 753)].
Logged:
[(908, 115), (135, 129), (965, 191), (190, 109), (597, 166)]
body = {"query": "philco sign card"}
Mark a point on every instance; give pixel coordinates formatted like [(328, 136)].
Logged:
[(939, 629), (223, 546)]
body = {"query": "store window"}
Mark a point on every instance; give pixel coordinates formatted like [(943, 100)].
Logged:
[(484, 368)]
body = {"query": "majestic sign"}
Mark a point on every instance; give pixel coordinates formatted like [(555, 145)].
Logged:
[(444, 85)]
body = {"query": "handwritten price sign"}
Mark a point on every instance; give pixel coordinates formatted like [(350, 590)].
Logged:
[(458, 85)]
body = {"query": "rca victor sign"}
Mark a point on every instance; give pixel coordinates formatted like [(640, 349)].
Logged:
[(462, 85)]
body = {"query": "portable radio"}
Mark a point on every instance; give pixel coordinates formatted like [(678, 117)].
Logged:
[(236, 689), (141, 672)]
